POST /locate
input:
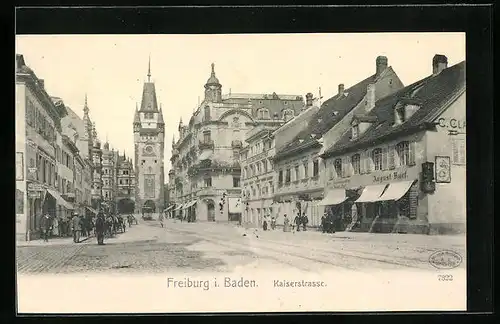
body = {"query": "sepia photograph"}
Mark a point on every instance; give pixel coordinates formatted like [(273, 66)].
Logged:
[(177, 173)]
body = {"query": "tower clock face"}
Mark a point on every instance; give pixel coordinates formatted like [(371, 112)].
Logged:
[(149, 150)]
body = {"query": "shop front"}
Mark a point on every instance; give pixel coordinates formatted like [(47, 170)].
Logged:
[(379, 202), (190, 210)]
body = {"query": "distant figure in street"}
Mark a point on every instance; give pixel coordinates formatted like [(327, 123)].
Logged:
[(160, 218), (323, 223), (273, 223), (264, 224), (297, 221), (76, 226), (55, 227), (83, 225), (45, 224), (100, 227), (286, 224), (305, 221)]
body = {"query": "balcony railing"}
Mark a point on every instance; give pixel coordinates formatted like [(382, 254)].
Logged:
[(206, 145), (207, 191)]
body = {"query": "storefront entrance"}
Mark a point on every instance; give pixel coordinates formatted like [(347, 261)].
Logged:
[(211, 210)]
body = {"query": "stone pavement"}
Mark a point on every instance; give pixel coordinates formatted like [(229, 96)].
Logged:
[(54, 241)]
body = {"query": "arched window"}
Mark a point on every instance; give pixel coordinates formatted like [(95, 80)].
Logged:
[(377, 159), (356, 165), (403, 151)]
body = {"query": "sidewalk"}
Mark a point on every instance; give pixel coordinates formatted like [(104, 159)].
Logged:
[(54, 241)]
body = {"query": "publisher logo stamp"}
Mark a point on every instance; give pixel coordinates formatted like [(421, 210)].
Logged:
[(445, 259)]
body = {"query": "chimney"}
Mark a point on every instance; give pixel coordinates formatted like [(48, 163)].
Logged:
[(41, 82), (381, 63), (370, 97), (309, 99), (439, 63), (341, 90)]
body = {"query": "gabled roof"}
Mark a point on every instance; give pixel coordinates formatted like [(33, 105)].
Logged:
[(330, 113), (432, 95), (149, 102)]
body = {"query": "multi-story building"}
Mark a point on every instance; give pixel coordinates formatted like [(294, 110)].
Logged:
[(38, 123), (205, 175), (257, 176), (300, 179), (108, 168), (124, 184), (149, 142), (401, 167)]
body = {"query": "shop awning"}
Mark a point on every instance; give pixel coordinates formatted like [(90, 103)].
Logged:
[(169, 207), (189, 204), (333, 197), (396, 190), (179, 207), (205, 155), (60, 200), (92, 210), (371, 193)]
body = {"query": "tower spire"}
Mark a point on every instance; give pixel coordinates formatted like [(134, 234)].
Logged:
[(213, 69), (149, 68)]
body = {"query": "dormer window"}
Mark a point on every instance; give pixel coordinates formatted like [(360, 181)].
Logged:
[(263, 113), (355, 131), (403, 112), (287, 114)]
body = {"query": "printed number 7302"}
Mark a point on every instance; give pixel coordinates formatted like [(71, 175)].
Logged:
[(446, 277)]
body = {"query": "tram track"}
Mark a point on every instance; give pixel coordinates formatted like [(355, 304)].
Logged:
[(300, 253)]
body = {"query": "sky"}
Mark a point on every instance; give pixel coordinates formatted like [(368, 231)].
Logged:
[(111, 69)]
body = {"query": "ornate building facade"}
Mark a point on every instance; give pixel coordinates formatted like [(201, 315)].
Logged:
[(149, 142), (205, 174)]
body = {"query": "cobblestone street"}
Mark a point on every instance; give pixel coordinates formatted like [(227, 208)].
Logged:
[(224, 247)]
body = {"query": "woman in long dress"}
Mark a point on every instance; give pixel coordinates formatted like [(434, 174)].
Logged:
[(286, 224)]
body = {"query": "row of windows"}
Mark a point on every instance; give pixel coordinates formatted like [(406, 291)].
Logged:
[(386, 158), (259, 190), (298, 172), (39, 122), (207, 182), (257, 168)]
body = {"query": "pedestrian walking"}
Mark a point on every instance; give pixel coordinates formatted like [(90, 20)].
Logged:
[(305, 221), (100, 227), (323, 223), (160, 218), (45, 224), (55, 226), (297, 221), (286, 224), (264, 224), (76, 226)]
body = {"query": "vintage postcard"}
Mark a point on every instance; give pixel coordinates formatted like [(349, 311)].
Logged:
[(241, 173)]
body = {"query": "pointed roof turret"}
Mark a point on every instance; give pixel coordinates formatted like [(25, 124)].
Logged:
[(160, 117), (149, 68), (213, 79), (137, 119), (173, 139), (85, 106), (149, 102)]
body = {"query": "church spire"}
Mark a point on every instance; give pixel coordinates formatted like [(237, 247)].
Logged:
[(137, 119), (160, 117), (149, 68)]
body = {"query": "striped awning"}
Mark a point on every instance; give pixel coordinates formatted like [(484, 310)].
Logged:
[(60, 200), (189, 204), (179, 207)]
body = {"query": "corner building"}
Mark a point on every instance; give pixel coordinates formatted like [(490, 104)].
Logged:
[(401, 167), (149, 143), (206, 173)]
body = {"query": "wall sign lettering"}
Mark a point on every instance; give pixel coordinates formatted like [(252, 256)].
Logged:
[(451, 123), (391, 176)]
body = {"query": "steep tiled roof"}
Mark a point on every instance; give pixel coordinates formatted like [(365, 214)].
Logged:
[(431, 94), (149, 98), (331, 112)]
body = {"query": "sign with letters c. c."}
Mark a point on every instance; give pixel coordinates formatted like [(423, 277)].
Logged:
[(452, 123)]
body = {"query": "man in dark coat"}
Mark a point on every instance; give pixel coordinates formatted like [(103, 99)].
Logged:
[(323, 223), (45, 224), (305, 221), (297, 221), (76, 226), (100, 227)]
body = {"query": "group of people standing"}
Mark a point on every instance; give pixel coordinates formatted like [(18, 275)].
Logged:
[(78, 226), (298, 222)]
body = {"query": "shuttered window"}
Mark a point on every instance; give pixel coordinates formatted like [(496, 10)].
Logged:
[(344, 167), (403, 153), (390, 157), (362, 168), (413, 201), (356, 163), (412, 152), (376, 160), (458, 151), (385, 158)]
